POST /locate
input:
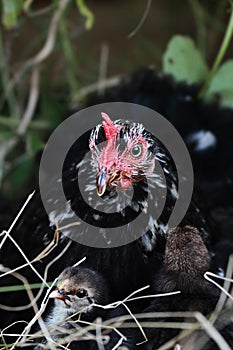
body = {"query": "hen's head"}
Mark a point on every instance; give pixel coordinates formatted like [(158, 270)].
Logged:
[(124, 157), (121, 173)]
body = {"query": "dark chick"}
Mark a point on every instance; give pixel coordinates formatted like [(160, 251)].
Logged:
[(186, 261), (78, 289)]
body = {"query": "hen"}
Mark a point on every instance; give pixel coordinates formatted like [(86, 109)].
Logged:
[(206, 130), (121, 156)]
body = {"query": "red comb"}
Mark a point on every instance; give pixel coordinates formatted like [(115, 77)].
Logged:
[(109, 127)]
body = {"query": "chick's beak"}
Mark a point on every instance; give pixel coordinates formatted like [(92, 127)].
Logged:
[(104, 179), (59, 294)]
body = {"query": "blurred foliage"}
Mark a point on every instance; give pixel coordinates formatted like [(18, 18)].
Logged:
[(84, 10), (47, 75), (21, 138), (221, 87), (184, 61), (11, 10)]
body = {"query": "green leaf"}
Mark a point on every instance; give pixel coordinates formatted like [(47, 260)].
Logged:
[(6, 135), (84, 10), (8, 121), (34, 143), (221, 86), (52, 111), (11, 11), (17, 178), (183, 61)]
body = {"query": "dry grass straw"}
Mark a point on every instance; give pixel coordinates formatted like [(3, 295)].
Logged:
[(99, 330)]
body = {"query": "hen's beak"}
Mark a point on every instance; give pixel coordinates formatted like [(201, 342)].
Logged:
[(59, 294), (104, 180), (101, 182)]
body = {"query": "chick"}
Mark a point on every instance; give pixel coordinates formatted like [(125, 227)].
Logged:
[(185, 263), (78, 290)]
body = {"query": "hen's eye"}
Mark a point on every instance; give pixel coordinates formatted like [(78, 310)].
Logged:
[(136, 151), (81, 293)]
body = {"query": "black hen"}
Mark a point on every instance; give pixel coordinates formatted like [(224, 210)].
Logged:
[(127, 267), (206, 130)]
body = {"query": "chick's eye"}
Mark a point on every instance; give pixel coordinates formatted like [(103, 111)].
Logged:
[(136, 151), (81, 293)]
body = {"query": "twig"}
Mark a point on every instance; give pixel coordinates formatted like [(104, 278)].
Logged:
[(33, 304), (51, 37), (137, 323), (6, 233), (40, 12), (80, 261), (92, 326), (104, 56), (104, 325), (26, 258), (3, 331), (32, 101), (223, 295), (172, 342), (105, 84), (69, 58), (118, 344), (10, 95), (127, 299), (142, 20), (45, 300), (28, 290), (26, 330), (62, 228), (98, 334), (212, 332), (27, 4), (43, 254), (155, 295), (207, 274), (53, 244), (47, 47)]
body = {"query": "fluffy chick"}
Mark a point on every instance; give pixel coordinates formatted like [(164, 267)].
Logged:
[(78, 290)]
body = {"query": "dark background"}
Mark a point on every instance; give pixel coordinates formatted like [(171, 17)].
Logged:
[(79, 58)]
